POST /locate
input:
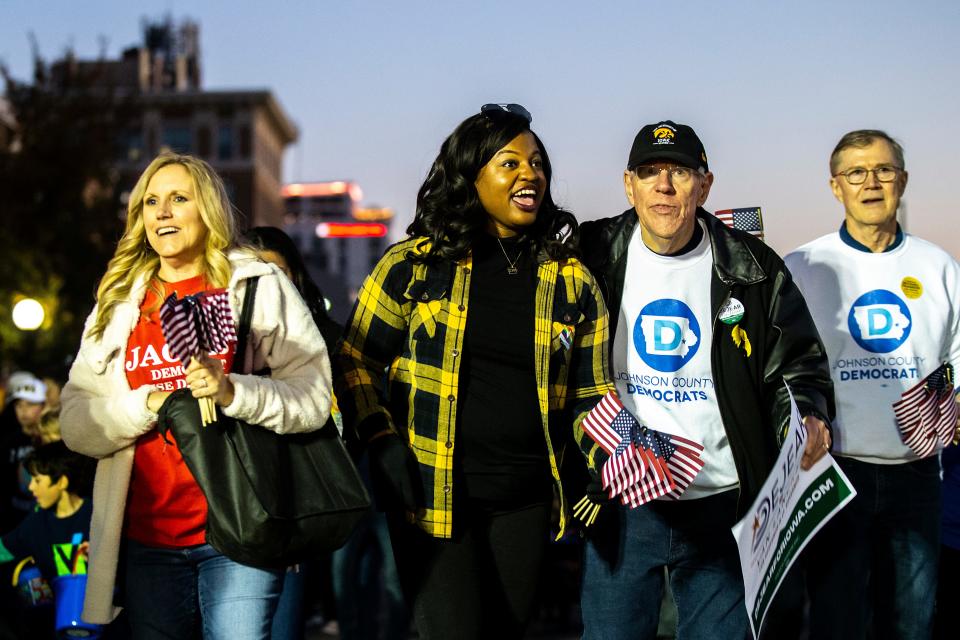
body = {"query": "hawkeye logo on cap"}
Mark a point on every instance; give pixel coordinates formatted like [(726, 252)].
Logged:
[(664, 134)]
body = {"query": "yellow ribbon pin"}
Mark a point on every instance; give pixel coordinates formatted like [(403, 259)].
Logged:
[(740, 339)]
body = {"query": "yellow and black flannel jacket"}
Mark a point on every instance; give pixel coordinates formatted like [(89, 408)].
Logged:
[(401, 363)]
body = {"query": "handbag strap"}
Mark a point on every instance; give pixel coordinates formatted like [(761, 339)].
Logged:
[(246, 314)]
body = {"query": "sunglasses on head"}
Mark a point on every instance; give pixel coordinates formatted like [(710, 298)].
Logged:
[(509, 107)]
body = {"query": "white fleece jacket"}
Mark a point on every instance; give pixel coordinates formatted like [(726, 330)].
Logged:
[(102, 417)]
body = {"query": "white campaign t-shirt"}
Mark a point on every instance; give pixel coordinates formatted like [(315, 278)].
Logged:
[(887, 321), (661, 355)]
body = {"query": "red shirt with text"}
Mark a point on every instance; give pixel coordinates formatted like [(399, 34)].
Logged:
[(165, 507)]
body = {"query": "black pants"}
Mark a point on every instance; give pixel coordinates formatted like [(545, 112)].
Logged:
[(482, 583), (948, 594)]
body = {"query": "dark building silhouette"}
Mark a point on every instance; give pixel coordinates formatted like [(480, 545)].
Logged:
[(163, 106)]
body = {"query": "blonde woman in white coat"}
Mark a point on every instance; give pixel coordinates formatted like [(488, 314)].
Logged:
[(149, 515)]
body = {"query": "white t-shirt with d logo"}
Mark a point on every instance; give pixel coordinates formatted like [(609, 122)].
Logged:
[(887, 320), (661, 355)]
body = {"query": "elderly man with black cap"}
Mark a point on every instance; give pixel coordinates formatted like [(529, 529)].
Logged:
[(707, 327)]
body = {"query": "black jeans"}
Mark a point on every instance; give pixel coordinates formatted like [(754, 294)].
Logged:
[(482, 583), (948, 594), (877, 558)]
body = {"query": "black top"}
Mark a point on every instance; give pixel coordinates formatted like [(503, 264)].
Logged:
[(15, 499), (53, 542), (500, 442)]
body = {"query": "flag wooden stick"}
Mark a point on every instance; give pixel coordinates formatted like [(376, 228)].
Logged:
[(586, 510), (208, 411)]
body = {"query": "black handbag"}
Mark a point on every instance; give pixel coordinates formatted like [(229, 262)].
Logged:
[(272, 500)]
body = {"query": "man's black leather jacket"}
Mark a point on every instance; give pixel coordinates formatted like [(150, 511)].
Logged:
[(785, 345)]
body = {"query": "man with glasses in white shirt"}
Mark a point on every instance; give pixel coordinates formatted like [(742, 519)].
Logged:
[(886, 304)]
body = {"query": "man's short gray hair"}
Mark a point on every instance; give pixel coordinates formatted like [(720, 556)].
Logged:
[(864, 138)]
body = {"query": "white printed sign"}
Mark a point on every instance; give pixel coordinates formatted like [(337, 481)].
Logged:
[(792, 506)]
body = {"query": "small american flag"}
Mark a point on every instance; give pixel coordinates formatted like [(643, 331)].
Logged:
[(683, 461), (927, 413), (748, 219), (197, 324), (657, 481), (179, 327), (613, 428), (218, 319), (599, 422), (644, 464)]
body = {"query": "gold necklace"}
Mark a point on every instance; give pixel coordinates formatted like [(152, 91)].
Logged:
[(512, 269)]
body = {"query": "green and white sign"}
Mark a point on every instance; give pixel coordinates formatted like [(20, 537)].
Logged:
[(791, 507)]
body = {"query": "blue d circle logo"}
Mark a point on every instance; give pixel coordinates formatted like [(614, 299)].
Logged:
[(879, 321), (666, 335)]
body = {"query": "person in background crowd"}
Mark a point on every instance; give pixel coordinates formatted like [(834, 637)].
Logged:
[(53, 393), (19, 433), (28, 395), (473, 346), (180, 237), (888, 307), (366, 561), (369, 596), (276, 247), (48, 429), (55, 535), (713, 313)]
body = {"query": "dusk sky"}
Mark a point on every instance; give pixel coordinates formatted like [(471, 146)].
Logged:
[(375, 87)]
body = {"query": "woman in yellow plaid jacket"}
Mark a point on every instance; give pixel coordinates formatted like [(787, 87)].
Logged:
[(474, 349)]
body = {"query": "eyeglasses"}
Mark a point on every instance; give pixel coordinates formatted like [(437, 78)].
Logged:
[(679, 174), (509, 107), (858, 175)]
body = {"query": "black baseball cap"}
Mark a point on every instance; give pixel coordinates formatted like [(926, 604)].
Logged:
[(668, 140)]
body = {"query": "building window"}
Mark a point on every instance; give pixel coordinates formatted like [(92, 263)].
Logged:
[(130, 145), (177, 138), (203, 142), (225, 142), (245, 141)]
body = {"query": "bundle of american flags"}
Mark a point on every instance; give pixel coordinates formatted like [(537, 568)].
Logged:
[(748, 219), (927, 413), (198, 325), (643, 464)]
